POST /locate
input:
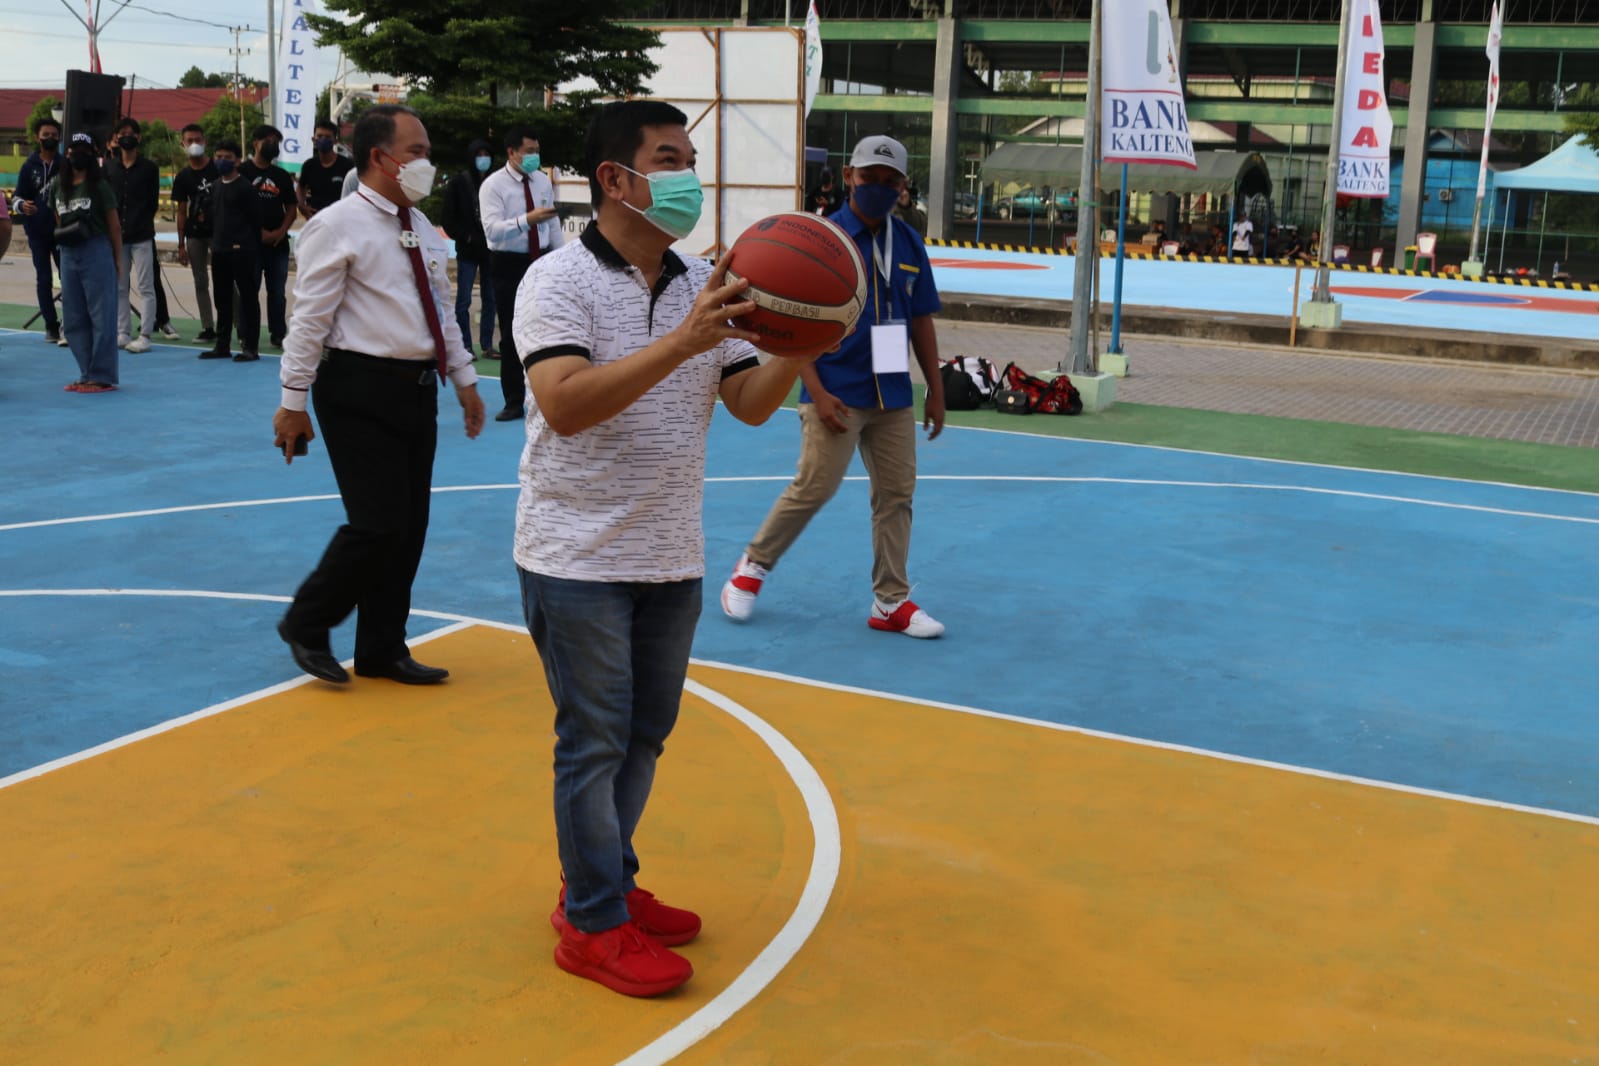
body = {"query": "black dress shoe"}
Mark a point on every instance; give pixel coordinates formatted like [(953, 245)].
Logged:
[(406, 671), (511, 414), (317, 662), (216, 353)]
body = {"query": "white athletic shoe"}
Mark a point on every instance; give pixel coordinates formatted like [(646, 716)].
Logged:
[(738, 595), (122, 341), (140, 343), (905, 618)]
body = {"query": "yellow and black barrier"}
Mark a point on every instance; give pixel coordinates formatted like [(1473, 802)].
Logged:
[(1357, 268)]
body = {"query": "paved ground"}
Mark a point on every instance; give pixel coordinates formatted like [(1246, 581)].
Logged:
[(1467, 399)]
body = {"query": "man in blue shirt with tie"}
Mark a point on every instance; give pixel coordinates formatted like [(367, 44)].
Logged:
[(860, 397)]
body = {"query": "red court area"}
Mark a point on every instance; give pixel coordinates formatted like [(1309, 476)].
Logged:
[(1472, 299)]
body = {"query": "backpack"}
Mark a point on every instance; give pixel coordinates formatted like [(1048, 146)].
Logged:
[(1022, 393), (969, 382)]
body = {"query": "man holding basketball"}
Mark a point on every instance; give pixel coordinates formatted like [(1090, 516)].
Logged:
[(627, 347), (860, 397)]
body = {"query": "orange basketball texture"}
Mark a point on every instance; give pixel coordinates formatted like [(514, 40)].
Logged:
[(807, 281)]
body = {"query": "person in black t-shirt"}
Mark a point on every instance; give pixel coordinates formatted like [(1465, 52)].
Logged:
[(191, 195), (235, 211), (322, 176), (137, 184), (274, 187)]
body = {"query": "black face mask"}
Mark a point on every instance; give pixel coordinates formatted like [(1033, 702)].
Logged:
[(269, 151), (50, 144), (127, 143), (80, 160)]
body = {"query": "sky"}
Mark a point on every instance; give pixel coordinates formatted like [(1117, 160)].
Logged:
[(41, 40)]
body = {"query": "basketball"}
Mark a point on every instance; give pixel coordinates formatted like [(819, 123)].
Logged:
[(806, 279)]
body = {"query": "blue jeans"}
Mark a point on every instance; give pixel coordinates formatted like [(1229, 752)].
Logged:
[(44, 290), (467, 272), (89, 301), (615, 656)]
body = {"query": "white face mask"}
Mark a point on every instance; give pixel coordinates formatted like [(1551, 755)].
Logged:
[(416, 179), (196, 151)]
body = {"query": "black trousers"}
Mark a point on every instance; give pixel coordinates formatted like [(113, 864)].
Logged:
[(508, 268), (233, 274), (380, 423)]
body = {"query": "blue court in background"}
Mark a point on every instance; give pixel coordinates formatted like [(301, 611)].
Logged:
[(1430, 632)]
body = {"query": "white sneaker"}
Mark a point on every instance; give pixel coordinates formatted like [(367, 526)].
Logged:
[(905, 618), (169, 333), (140, 343), (738, 595), (122, 341)]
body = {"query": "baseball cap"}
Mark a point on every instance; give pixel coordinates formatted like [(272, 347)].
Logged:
[(880, 151)]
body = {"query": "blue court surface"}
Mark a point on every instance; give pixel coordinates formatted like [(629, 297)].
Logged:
[(1429, 303), (1434, 633)]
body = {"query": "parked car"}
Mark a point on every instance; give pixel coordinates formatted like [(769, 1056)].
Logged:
[(965, 205), (1049, 204)]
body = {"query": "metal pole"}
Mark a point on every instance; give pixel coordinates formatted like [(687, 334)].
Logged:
[(1329, 207), (1121, 258), (1543, 224), (1504, 234), (1087, 214), (272, 64)]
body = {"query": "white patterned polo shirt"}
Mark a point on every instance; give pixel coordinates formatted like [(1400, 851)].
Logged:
[(623, 500)]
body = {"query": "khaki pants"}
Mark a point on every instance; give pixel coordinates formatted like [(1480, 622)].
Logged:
[(887, 442), (200, 268)]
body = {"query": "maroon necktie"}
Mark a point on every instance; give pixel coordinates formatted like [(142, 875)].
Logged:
[(425, 291), (532, 227)]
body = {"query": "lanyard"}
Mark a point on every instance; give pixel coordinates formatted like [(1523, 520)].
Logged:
[(884, 257)]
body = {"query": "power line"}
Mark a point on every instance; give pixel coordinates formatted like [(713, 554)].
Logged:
[(181, 18), (116, 40)]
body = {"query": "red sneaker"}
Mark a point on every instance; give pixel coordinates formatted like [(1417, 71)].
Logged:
[(667, 926), (622, 959)]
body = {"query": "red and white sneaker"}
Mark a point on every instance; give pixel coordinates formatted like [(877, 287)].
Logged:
[(668, 926), (624, 959), (906, 618), (738, 595)]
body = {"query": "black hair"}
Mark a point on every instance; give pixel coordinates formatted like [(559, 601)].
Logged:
[(43, 121), (228, 145), (91, 173), (617, 131), (375, 129), (516, 135), (193, 127), (263, 131), (325, 123), (130, 124)]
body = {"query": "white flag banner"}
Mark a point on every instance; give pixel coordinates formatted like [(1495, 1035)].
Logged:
[(1368, 128), (1496, 32), (294, 110), (1142, 116), (813, 56)]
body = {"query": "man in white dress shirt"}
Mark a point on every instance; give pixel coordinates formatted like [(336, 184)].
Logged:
[(365, 347), (517, 203)]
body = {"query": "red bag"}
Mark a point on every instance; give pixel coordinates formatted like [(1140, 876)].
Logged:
[(1055, 397)]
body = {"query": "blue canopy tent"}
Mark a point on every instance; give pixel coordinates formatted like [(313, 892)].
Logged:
[(1573, 167)]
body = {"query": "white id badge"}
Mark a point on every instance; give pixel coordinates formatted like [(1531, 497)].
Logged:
[(891, 349)]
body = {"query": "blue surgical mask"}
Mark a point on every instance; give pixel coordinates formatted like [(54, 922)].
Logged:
[(676, 199), (225, 166), (482, 163), (875, 201), (530, 162), (324, 144)]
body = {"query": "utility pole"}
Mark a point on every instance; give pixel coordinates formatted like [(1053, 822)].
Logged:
[(272, 64), (238, 85), (1322, 293), (1086, 261)]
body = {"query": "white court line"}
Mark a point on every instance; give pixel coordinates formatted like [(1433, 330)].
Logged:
[(1161, 745), (826, 852), (1310, 490)]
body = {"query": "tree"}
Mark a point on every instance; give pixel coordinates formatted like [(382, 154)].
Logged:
[(159, 142), (222, 122), (1585, 124), (42, 110), (195, 78), (470, 45)]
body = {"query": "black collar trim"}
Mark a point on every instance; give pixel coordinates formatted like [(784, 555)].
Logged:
[(595, 242)]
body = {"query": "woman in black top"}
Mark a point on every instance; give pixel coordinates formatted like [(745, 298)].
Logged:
[(463, 221), (89, 234)]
